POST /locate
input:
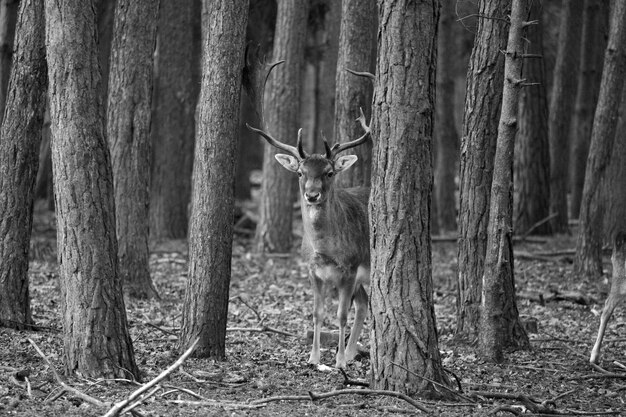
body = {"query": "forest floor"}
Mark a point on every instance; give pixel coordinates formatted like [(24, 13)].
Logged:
[(272, 293)]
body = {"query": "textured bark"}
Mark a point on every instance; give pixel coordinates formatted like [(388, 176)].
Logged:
[(588, 260), (561, 107), (356, 40), (20, 136), (8, 19), (591, 59), (278, 191), (499, 319), (404, 335), (532, 149), (173, 127), (106, 17), (96, 339), (128, 132), (614, 192), (447, 137), (478, 142), (210, 238)]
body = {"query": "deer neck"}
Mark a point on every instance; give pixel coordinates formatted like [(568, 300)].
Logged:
[(316, 219)]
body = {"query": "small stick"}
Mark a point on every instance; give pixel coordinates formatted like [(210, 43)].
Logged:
[(357, 391), (434, 383), (262, 329)]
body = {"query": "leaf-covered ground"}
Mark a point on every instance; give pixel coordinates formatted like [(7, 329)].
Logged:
[(272, 293)]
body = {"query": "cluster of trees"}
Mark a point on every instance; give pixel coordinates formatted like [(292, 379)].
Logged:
[(131, 162)]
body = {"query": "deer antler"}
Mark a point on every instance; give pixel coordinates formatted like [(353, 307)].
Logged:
[(340, 147)]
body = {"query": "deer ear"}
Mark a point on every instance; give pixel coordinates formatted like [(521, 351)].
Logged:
[(344, 162), (288, 161)]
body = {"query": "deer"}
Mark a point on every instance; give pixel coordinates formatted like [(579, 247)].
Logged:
[(335, 242), (617, 292)]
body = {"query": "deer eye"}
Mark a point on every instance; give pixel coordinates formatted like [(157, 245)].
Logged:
[(330, 174), (299, 174)]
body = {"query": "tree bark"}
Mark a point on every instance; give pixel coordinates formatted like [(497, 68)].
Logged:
[(96, 339), (588, 260), (478, 144), (356, 41), (173, 127), (560, 111), (404, 334), (210, 240), (128, 132), (499, 320), (8, 19), (532, 149), (20, 136), (278, 190), (447, 137), (614, 191)]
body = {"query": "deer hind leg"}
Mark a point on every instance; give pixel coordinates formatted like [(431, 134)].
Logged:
[(318, 317), (611, 302), (360, 312)]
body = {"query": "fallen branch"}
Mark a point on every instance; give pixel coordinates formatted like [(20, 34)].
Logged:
[(122, 405), (435, 383), (315, 396), (262, 329)]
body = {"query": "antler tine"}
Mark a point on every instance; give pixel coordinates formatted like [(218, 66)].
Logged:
[(299, 143), (282, 146), (340, 147), (329, 152)]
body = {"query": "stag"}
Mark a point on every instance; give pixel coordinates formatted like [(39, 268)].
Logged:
[(335, 244)]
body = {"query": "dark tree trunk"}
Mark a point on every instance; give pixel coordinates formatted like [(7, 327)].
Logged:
[(561, 107), (96, 339), (273, 233), (404, 334), (532, 149), (106, 16), (357, 37), (588, 260), (20, 136), (591, 55), (210, 238), (447, 138), (8, 19), (174, 125), (128, 132), (499, 319), (614, 192), (478, 144)]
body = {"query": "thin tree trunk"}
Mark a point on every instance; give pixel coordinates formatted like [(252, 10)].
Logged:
[(499, 320), (278, 191), (210, 239), (20, 137), (96, 339), (404, 334), (128, 131), (588, 260), (614, 189), (560, 112), (478, 144), (8, 19)]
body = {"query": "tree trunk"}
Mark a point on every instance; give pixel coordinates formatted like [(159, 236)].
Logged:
[(404, 334), (128, 132), (20, 136), (532, 149), (499, 320), (173, 127), (588, 260), (561, 107), (210, 238), (357, 37), (591, 54), (106, 17), (278, 191), (614, 191), (447, 138), (96, 339), (478, 144), (8, 19)]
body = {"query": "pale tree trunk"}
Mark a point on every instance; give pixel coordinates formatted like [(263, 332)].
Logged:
[(96, 339), (8, 18), (499, 319), (560, 111), (446, 135), (210, 239), (20, 137), (357, 36), (404, 344), (588, 260), (478, 144), (128, 132), (532, 149), (282, 102), (591, 56), (173, 126)]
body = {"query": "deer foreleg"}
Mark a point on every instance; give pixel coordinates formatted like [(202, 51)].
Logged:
[(345, 295), (609, 306), (318, 318)]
